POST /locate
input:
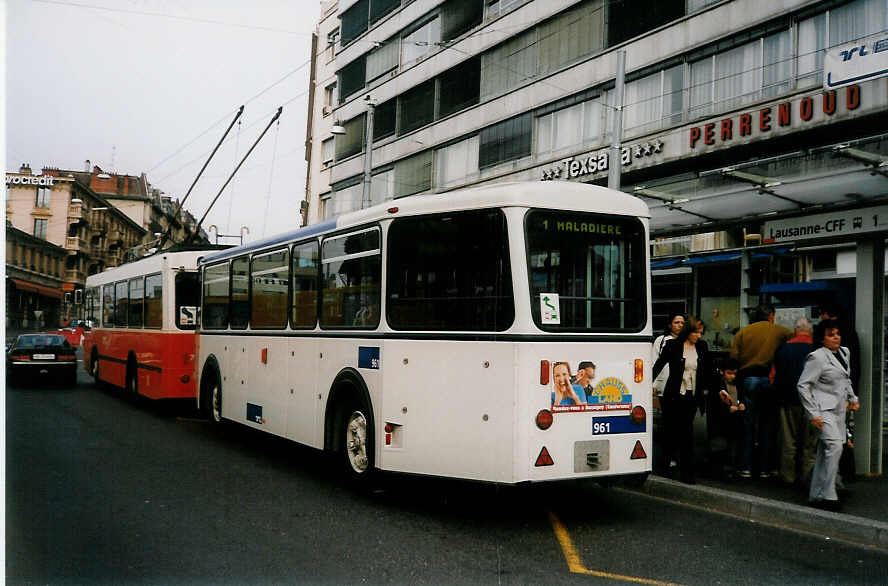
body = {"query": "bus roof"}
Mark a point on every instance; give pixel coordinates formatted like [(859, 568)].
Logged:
[(146, 266), (559, 195)]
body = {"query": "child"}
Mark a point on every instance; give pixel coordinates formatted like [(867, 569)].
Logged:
[(733, 413)]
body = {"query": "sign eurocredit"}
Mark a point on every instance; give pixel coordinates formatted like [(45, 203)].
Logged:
[(39, 180)]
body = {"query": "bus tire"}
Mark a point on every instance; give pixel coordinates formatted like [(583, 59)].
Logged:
[(211, 394), (356, 441), (132, 376), (94, 367)]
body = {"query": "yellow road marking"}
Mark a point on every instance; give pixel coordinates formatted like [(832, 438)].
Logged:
[(575, 564)]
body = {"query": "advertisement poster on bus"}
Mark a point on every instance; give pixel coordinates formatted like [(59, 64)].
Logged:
[(578, 392)]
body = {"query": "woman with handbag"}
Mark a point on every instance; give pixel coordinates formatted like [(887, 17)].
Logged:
[(690, 377), (826, 393)]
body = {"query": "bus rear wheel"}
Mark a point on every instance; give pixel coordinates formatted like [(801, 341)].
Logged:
[(356, 436), (132, 381), (94, 368)]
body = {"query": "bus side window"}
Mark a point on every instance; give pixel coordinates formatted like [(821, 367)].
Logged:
[(153, 301), (239, 309), (268, 296), (304, 276), (215, 297), (108, 305), (352, 274), (122, 306)]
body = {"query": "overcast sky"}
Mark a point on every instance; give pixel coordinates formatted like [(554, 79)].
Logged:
[(132, 84)]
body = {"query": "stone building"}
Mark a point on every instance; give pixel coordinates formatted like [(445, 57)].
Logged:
[(35, 272)]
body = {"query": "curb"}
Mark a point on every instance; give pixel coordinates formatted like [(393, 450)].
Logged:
[(859, 530)]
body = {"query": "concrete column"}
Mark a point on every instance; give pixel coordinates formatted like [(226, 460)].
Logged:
[(869, 325)]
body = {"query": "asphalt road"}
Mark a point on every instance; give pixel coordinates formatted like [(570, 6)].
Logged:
[(102, 489)]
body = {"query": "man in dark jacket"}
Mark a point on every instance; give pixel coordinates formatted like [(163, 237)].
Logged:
[(798, 439)]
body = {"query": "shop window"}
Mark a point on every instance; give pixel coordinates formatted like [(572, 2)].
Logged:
[(506, 141), (351, 280), (268, 294), (460, 87), (417, 107)]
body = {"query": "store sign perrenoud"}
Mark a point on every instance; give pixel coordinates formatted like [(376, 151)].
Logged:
[(856, 62), (831, 225), (597, 162), (46, 180)]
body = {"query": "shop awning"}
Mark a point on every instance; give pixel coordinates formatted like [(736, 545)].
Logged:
[(39, 289), (704, 258), (808, 287), (665, 264)]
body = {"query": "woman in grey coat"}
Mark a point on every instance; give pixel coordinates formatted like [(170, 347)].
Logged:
[(825, 391)]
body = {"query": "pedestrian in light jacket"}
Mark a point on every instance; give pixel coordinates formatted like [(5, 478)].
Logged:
[(826, 392)]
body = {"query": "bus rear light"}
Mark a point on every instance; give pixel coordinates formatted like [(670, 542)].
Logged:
[(187, 358), (544, 372), (265, 356), (393, 435), (638, 415), (184, 378), (544, 419), (393, 210), (639, 370)]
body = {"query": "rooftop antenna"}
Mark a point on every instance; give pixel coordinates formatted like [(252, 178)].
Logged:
[(169, 230)]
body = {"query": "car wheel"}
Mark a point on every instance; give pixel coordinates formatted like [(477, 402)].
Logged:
[(356, 435)]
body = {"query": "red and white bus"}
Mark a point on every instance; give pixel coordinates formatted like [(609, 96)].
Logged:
[(144, 317)]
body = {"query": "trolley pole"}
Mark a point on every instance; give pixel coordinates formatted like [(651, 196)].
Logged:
[(615, 165)]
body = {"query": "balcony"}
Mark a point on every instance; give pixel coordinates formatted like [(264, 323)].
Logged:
[(76, 212), (75, 276), (75, 244)]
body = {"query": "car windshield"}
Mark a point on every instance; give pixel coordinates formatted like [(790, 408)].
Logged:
[(39, 341)]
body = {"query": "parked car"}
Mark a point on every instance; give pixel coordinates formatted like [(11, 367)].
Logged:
[(36, 357)]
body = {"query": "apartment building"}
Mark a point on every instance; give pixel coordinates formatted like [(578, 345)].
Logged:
[(763, 184)]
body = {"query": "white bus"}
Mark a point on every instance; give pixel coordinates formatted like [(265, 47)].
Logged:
[(497, 334)]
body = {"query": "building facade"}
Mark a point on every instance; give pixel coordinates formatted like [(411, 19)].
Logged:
[(763, 184), (35, 272)]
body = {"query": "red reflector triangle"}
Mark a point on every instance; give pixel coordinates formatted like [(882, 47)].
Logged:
[(544, 459), (638, 452)]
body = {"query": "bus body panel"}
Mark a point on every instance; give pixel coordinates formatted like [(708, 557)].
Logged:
[(570, 437), (304, 406), (162, 359), (452, 407)]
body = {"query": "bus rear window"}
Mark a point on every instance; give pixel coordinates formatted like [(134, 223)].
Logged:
[(450, 272), (187, 300), (586, 271)]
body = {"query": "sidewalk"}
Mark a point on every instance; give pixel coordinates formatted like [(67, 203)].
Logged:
[(863, 518)]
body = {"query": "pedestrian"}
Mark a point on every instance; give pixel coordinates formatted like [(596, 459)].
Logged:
[(670, 332), (690, 377), (849, 338), (826, 393), (797, 438), (731, 420), (754, 347)]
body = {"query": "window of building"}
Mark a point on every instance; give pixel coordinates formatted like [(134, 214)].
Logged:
[(121, 295), (460, 87), (41, 226), (379, 8), (154, 301), (214, 314), (420, 43), (509, 64), (570, 35), (136, 302), (450, 272), (384, 119), (333, 37), (344, 199), (812, 47), (352, 142), (496, 8), (564, 129), (382, 60), (354, 21), (304, 282), (413, 174), (695, 5), (42, 197), (417, 107), (108, 305), (351, 280), (506, 141), (457, 163), (239, 309), (351, 78), (268, 295), (627, 19), (330, 95), (458, 16), (328, 149), (382, 186)]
